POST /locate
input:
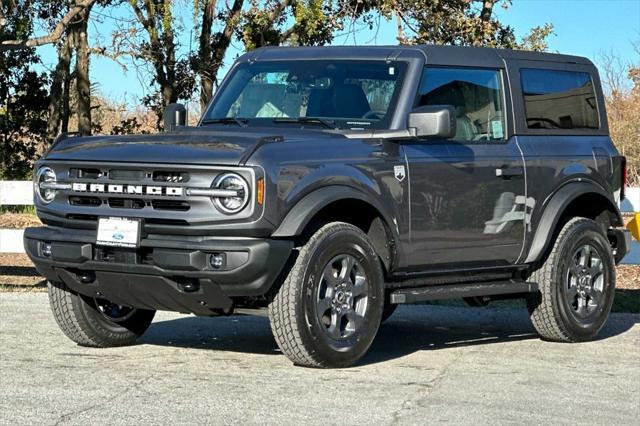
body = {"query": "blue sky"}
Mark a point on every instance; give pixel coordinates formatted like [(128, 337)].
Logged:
[(582, 27)]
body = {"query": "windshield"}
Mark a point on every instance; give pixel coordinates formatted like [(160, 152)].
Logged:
[(337, 94)]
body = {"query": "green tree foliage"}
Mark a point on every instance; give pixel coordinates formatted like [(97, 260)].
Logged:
[(23, 115), (458, 22), (452, 22), (537, 38), (299, 22)]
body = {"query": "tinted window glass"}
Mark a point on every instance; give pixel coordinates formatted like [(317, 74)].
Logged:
[(559, 99), (351, 94), (476, 96)]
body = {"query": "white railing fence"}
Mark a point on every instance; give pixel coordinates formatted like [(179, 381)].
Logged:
[(14, 193), (20, 193)]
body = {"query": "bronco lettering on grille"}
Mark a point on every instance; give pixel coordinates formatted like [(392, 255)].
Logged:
[(128, 189)]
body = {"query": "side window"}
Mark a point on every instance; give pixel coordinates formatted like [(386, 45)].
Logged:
[(559, 99), (476, 95)]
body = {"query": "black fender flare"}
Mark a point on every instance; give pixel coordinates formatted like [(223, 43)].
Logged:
[(299, 216), (559, 201)]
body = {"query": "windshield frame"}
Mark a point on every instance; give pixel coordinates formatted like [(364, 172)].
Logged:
[(388, 122)]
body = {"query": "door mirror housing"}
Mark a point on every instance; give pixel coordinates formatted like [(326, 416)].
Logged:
[(433, 121), (175, 115)]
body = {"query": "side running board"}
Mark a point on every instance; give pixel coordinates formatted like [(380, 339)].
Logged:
[(454, 291)]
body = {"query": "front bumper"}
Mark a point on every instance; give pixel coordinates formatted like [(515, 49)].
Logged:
[(164, 273)]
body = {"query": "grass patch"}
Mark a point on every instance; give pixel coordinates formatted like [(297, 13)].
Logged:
[(39, 287), (18, 209)]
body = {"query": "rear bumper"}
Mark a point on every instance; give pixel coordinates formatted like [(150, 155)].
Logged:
[(621, 239), (165, 273)]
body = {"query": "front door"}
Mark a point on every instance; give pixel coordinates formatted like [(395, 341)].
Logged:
[(468, 199)]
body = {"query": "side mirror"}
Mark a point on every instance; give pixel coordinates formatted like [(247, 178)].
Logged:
[(435, 121), (175, 115)]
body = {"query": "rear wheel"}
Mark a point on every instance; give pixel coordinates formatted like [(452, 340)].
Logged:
[(96, 322), (328, 309), (577, 284)]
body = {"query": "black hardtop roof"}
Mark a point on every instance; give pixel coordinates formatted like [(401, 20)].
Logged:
[(434, 55)]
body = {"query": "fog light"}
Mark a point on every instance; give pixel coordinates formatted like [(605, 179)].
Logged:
[(217, 260), (46, 249)]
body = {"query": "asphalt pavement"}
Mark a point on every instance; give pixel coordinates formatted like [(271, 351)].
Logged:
[(428, 364)]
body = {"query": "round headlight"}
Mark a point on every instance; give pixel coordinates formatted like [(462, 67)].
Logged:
[(232, 182), (45, 175)]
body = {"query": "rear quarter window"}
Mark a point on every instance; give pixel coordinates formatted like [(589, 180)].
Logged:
[(556, 99)]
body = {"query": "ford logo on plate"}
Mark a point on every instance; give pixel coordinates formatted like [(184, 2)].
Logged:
[(118, 236)]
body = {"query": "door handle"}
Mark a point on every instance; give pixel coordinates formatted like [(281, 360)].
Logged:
[(508, 172)]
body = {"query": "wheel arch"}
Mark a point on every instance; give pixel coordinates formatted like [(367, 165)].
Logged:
[(346, 204), (584, 199)]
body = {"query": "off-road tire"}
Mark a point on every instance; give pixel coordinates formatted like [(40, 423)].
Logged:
[(293, 311), (551, 315), (80, 320)]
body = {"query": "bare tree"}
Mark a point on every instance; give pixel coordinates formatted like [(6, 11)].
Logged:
[(213, 46), (80, 6), (58, 119), (83, 82), (155, 18)]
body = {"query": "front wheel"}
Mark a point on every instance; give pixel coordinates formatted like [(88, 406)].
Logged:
[(576, 284), (327, 311), (96, 322)]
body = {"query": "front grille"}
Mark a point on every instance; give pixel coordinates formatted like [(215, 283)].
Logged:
[(128, 175), (85, 173), (170, 177), (171, 222), (83, 217), (122, 178), (126, 203), (180, 206), (139, 190), (85, 201)]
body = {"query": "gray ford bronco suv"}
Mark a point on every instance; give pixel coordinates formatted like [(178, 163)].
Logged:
[(331, 184)]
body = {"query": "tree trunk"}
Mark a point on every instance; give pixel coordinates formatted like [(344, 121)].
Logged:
[(83, 84), (487, 10), (218, 51), (66, 105), (204, 54), (58, 90)]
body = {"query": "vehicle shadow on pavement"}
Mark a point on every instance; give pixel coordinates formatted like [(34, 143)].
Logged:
[(410, 330), (237, 333)]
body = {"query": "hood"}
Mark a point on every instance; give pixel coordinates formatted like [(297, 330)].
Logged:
[(189, 146)]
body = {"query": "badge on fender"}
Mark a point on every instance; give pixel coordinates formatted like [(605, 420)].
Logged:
[(399, 172)]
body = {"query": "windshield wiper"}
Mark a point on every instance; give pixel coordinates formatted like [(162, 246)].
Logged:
[(242, 122), (330, 124)]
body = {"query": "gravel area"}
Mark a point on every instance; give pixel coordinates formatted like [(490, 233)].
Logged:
[(17, 273), (18, 220)]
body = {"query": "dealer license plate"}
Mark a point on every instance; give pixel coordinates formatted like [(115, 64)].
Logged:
[(118, 232)]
